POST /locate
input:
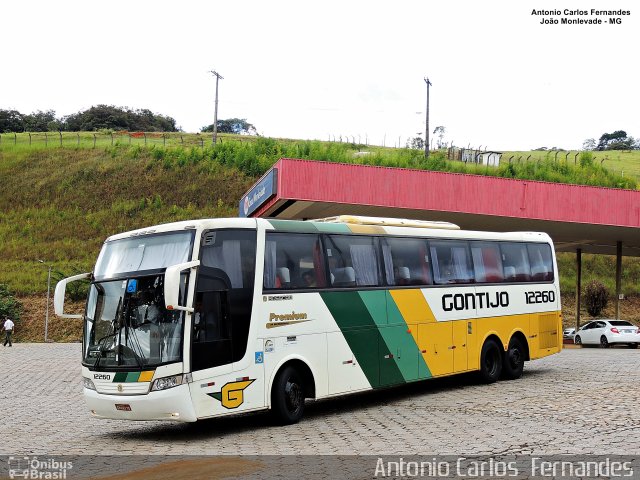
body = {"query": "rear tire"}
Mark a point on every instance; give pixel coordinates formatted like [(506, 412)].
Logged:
[(287, 396), (577, 340), (604, 343), (513, 362), (490, 362)]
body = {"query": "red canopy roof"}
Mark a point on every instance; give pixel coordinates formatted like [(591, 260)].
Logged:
[(591, 218)]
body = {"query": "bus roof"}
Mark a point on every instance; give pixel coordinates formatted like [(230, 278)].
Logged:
[(388, 222), (342, 224)]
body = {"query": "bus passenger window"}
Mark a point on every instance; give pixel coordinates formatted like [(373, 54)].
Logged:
[(451, 262), (293, 261), (487, 262), (353, 261), (515, 262), (541, 262), (406, 261)]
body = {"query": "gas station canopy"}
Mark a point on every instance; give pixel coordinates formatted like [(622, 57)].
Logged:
[(592, 219)]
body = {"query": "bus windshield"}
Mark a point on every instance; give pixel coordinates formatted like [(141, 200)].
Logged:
[(127, 324), (146, 252)]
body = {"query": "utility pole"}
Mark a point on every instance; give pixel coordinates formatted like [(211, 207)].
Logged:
[(426, 141), (46, 318), (215, 114)]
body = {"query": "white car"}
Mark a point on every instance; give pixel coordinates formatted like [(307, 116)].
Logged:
[(608, 332)]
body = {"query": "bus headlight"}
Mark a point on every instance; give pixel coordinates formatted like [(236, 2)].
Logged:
[(88, 383), (169, 382)]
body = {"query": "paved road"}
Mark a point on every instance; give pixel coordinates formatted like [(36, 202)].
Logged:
[(580, 401)]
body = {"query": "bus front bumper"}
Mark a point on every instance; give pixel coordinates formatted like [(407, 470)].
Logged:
[(171, 404)]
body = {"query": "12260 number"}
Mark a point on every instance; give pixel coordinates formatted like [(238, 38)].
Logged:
[(540, 297)]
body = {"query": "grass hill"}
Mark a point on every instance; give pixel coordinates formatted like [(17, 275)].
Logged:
[(625, 163), (61, 198)]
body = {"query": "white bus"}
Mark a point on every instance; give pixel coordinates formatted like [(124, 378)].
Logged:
[(212, 317)]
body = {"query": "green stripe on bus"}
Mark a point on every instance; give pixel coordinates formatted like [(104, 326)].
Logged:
[(412, 353), (293, 226), (376, 306), (120, 377), (363, 335), (390, 339), (399, 354), (132, 376), (331, 227)]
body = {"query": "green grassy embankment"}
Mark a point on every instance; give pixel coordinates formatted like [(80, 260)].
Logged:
[(624, 163), (58, 204)]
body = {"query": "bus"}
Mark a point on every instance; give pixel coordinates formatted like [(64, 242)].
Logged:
[(198, 319)]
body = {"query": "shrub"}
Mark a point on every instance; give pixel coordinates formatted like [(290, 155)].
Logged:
[(596, 297), (9, 305), (586, 159)]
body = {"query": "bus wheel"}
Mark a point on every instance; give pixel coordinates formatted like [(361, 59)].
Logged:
[(490, 361), (513, 363), (287, 396)]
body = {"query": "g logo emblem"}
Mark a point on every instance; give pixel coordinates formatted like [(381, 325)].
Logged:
[(232, 394)]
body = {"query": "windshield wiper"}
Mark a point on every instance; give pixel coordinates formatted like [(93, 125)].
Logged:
[(133, 335), (101, 349)]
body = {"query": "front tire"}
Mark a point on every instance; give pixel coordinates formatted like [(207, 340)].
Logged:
[(287, 396), (604, 343), (513, 362), (490, 361), (577, 340)]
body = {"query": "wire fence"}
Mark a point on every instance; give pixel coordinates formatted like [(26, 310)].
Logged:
[(478, 155), (101, 139)]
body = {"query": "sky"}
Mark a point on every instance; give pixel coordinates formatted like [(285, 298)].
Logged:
[(329, 69)]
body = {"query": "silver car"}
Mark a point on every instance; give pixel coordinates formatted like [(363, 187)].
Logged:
[(569, 333), (608, 332)]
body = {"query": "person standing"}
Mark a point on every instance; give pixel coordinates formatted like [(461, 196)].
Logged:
[(8, 328)]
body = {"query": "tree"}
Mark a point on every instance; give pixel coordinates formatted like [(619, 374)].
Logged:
[(9, 305), (110, 117), (417, 143), (617, 140), (40, 121), (238, 126), (440, 131), (596, 298), (589, 144), (11, 121)]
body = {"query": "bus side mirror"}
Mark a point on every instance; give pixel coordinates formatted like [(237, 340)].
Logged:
[(61, 289), (172, 285)]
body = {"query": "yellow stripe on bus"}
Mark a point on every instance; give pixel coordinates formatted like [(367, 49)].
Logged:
[(413, 306), (146, 376)]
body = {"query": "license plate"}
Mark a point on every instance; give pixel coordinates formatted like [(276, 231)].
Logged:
[(124, 407), (628, 331)]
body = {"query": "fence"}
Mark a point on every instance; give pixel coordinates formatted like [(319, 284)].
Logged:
[(101, 139), (473, 155)]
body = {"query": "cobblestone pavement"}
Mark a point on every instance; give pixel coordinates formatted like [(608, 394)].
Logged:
[(580, 401)]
